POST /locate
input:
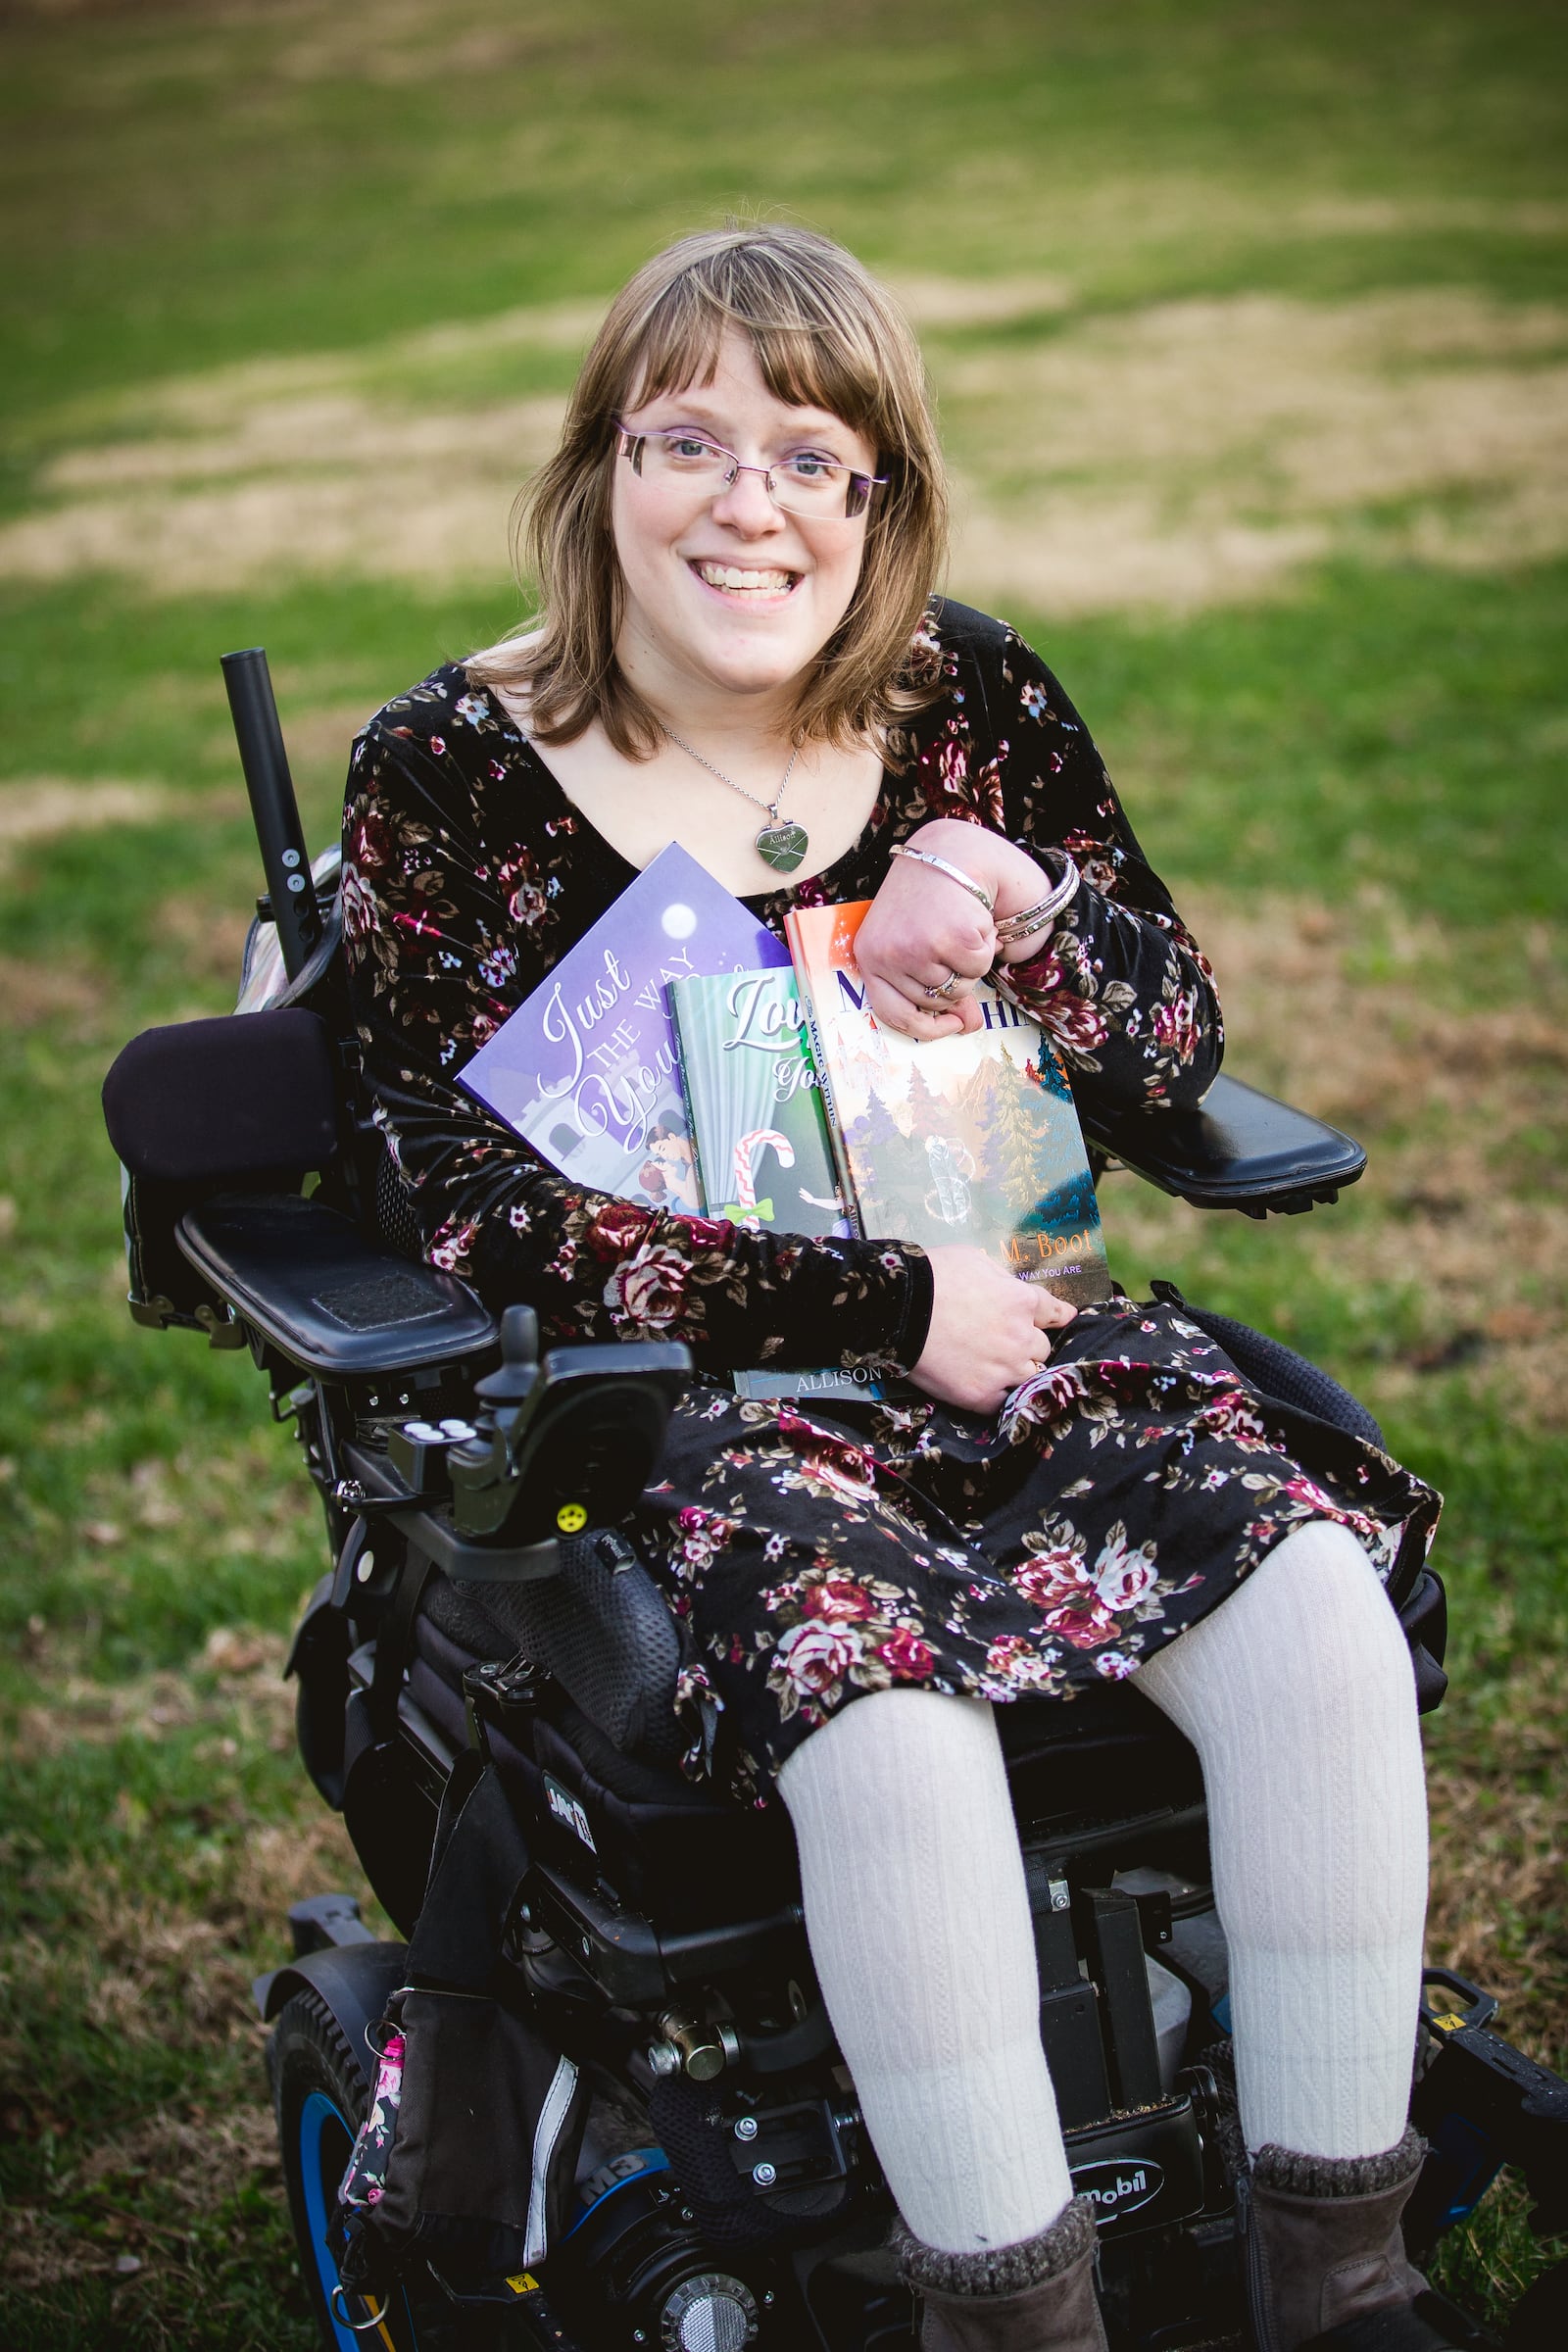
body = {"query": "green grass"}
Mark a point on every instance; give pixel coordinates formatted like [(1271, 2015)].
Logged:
[(1375, 754), (299, 175), (1406, 731)]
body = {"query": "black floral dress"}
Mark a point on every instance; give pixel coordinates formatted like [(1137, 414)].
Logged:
[(814, 1552)]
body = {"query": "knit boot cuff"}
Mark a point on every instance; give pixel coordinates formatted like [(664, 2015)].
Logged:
[(998, 2270), (1293, 2175)]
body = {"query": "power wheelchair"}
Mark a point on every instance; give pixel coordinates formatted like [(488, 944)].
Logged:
[(713, 2183)]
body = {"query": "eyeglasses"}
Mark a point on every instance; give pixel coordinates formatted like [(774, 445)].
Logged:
[(807, 483)]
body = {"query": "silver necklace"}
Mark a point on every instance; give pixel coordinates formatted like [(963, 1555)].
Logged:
[(780, 843)]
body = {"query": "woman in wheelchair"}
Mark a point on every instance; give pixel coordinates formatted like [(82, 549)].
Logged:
[(740, 650)]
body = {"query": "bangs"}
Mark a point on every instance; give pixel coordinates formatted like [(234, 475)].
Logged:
[(809, 353)]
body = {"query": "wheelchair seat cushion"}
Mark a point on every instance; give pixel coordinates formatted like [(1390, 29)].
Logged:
[(1111, 1757)]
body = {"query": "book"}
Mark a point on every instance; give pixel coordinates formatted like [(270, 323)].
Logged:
[(971, 1139), (584, 1069), (764, 1155)]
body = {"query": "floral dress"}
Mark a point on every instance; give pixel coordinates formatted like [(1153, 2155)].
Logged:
[(815, 1552)]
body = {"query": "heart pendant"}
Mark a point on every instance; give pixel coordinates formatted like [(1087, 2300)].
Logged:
[(782, 846)]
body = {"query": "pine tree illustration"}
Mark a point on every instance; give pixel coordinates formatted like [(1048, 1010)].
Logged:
[(1047, 1072), (876, 1153), (1017, 1138), (926, 1109)]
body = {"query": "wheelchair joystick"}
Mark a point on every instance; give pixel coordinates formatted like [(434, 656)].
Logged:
[(519, 1359), (577, 1426), (484, 1470)]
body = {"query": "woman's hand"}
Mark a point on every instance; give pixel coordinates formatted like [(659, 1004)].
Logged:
[(987, 1330), (925, 932)]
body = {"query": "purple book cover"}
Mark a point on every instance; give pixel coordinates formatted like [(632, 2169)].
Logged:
[(586, 1070)]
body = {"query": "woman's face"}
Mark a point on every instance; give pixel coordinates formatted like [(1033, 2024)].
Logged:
[(729, 592)]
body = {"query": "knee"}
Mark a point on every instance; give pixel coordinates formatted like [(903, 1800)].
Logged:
[(1333, 1628), (895, 1765), (918, 1733), (1309, 1635)]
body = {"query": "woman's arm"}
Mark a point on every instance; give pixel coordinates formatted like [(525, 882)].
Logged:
[(438, 955), (1115, 980)]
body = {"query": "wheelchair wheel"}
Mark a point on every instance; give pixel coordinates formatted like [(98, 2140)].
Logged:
[(322, 2093)]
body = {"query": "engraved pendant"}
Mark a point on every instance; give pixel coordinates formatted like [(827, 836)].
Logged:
[(782, 846)]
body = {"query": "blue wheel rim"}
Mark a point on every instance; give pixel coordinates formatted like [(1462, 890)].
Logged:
[(324, 2142), (658, 2162)]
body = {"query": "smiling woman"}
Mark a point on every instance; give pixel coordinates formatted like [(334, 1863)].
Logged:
[(735, 574), (809, 343), (737, 545), (759, 561)]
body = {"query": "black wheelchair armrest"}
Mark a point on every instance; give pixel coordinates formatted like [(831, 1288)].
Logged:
[(1240, 1149), (307, 1280)]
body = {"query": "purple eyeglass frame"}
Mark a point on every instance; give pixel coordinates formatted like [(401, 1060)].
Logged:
[(631, 448)]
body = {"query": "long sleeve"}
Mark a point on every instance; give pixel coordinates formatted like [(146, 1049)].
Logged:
[(1120, 984), (455, 891)]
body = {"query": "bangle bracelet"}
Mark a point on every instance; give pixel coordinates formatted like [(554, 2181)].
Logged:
[(955, 873), (1014, 927)]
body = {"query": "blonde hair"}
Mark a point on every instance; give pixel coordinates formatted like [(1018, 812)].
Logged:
[(825, 335)]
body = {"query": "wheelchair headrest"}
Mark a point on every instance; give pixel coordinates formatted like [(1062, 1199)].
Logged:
[(214, 1102)]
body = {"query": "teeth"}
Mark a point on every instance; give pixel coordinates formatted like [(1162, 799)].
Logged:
[(730, 575)]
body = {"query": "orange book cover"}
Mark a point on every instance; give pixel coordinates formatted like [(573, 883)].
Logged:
[(966, 1138)]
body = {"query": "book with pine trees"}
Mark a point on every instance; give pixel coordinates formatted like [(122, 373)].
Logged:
[(969, 1139), (763, 1156), (585, 1068)]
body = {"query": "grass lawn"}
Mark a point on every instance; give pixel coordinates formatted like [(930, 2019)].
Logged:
[(1250, 331)]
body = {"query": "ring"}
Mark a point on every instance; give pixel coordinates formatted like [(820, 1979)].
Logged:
[(946, 987)]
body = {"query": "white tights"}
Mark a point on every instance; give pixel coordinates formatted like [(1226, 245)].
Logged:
[(1299, 1695)]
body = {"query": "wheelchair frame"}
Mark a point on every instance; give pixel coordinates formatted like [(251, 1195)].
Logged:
[(443, 1451)]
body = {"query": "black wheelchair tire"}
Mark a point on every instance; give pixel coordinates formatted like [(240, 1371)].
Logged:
[(320, 2094)]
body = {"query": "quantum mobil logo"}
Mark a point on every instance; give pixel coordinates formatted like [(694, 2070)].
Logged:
[(1119, 2186)]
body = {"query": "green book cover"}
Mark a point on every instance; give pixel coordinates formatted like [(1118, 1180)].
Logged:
[(764, 1158)]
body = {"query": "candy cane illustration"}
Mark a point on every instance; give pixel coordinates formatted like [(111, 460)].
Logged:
[(746, 1152)]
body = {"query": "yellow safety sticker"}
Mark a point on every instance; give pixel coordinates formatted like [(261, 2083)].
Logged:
[(572, 1518), (1451, 2024), (523, 2283)]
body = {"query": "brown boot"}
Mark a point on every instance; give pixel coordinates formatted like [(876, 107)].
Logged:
[(1038, 2297), (1322, 2249)]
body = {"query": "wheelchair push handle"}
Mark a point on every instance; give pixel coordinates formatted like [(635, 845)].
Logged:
[(274, 807)]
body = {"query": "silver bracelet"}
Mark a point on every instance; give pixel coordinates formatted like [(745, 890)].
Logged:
[(1014, 927), (955, 873)]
